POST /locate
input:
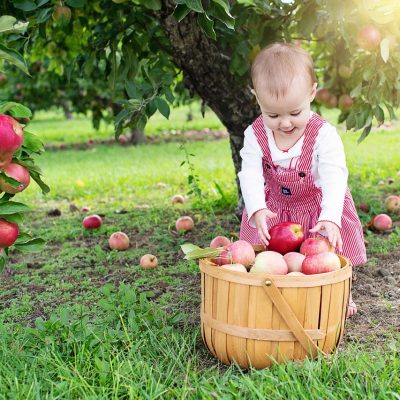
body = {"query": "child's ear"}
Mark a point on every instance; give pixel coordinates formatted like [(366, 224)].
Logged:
[(254, 93), (313, 91)]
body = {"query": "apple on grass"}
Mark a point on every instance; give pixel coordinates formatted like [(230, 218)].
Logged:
[(118, 241), (392, 204), (239, 252), (92, 221), (382, 222), (148, 261), (320, 263), (177, 198), (285, 237), (270, 262), (316, 245), (184, 224)]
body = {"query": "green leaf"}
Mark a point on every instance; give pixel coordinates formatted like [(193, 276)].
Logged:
[(385, 49), (36, 177), (131, 89), (76, 3), (356, 91), (25, 5), (32, 142), (30, 246), (224, 4), (154, 5), (194, 5), (180, 12), (13, 207), (13, 57), (44, 15), (188, 247), (16, 110), (207, 25), (162, 106), (7, 23), (16, 218), (379, 114), (202, 253), (365, 133)]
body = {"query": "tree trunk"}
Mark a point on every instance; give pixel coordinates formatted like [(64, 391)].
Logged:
[(137, 136), (206, 71)]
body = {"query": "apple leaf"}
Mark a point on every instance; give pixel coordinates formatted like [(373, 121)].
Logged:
[(385, 49), (202, 253), (188, 247)]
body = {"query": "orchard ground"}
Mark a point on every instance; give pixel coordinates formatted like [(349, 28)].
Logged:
[(82, 321)]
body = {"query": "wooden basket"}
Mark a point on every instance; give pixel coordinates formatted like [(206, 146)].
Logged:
[(252, 319)]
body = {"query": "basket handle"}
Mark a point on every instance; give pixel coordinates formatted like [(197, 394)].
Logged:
[(290, 318)]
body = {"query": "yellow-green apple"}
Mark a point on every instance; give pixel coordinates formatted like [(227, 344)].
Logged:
[(392, 204), (11, 138), (220, 241), (294, 261), (148, 261), (369, 37), (118, 241), (8, 233), (184, 224), (239, 252), (17, 172), (344, 71), (61, 14), (92, 221), (316, 245), (285, 237), (382, 222), (320, 263), (177, 198), (270, 262), (234, 267)]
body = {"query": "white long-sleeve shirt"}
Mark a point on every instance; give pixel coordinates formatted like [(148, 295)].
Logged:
[(328, 169)]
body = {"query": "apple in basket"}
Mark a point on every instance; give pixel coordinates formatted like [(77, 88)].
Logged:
[(234, 267), (320, 263), (270, 262), (294, 261), (286, 237), (239, 252), (316, 245)]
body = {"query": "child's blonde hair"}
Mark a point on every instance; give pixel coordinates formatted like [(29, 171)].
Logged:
[(277, 64)]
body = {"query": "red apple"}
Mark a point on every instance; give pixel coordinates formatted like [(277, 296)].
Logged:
[(363, 207), (239, 252), (17, 172), (220, 241), (85, 209), (118, 241), (382, 222), (234, 267), (345, 102), (332, 102), (323, 95), (11, 138), (184, 224), (148, 261), (316, 245), (294, 261), (270, 262), (285, 237), (92, 221), (392, 204), (368, 37), (177, 198), (8, 233), (320, 263), (122, 139)]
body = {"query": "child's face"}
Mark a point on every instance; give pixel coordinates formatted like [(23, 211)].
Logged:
[(288, 115)]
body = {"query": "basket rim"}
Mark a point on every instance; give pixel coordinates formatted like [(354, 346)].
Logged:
[(258, 279)]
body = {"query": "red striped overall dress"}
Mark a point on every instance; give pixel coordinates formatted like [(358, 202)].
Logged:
[(292, 195)]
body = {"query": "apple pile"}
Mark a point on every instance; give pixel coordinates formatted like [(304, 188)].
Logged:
[(288, 253)]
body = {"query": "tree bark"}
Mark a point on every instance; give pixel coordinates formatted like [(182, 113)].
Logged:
[(206, 71)]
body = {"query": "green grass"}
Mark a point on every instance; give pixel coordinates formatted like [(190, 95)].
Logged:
[(78, 321)]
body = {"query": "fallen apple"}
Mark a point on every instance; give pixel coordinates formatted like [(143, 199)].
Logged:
[(270, 262), (363, 207), (8, 233), (382, 222), (320, 263), (220, 241), (239, 252), (17, 172), (316, 245), (285, 237), (85, 209), (294, 261), (92, 221), (119, 241), (148, 261), (184, 224), (234, 267), (392, 204), (177, 198)]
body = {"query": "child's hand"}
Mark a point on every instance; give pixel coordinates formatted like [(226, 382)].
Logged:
[(332, 231), (260, 219)]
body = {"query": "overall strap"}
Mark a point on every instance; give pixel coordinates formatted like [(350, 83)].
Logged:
[(262, 138), (310, 135)]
